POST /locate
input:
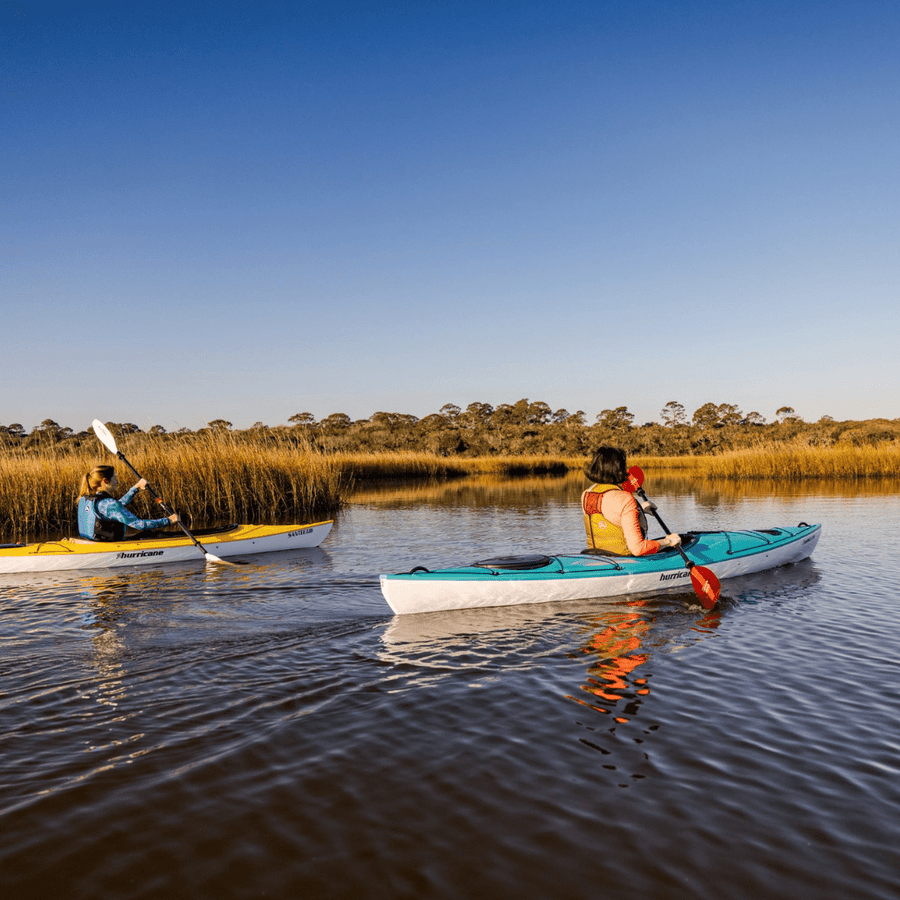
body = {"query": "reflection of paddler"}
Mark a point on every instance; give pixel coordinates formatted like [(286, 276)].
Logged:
[(613, 521), (614, 647)]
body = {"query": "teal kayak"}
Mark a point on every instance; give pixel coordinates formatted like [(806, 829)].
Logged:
[(540, 578)]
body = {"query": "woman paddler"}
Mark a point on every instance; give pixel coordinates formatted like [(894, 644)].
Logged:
[(103, 518), (613, 521)]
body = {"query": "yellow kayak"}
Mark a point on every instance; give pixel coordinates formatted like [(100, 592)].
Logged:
[(233, 540)]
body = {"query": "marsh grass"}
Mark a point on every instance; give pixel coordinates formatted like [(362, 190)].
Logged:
[(789, 462), (209, 479), (364, 467), (221, 476)]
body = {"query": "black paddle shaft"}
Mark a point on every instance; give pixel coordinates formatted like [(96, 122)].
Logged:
[(166, 508), (665, 528)]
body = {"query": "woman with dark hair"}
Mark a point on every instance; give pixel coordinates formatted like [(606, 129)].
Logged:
[(103, 518), (613, 521)]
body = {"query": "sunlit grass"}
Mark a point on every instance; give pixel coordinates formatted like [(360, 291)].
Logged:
[(380, 466), (218, 476), (207, 478), (787, 462)]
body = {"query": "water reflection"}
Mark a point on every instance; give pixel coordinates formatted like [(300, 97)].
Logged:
[(598, 653), (620, 644), (475, 491), (486, 490), (102, 618), (615, 647)]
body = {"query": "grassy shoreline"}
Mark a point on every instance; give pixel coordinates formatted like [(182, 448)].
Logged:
[(221, 477)]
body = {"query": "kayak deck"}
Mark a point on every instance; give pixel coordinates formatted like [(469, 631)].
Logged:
[(233, 540), (542, 579)]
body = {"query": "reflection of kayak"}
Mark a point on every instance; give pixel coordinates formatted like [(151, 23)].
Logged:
[(541, 579), (234, 540)]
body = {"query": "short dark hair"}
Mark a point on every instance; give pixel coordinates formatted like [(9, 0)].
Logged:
[(608, 466)]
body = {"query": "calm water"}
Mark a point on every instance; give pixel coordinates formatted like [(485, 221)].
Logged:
[(274, 731)]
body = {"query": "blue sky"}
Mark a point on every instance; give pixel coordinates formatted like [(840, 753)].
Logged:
[(245, 211)]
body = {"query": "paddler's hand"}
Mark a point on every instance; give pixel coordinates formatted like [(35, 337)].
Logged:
[(670, 540), (648, 506), (174, 518), (142, 485)]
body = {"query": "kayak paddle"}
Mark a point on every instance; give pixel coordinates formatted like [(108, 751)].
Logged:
[(706, 585), (108, 441)]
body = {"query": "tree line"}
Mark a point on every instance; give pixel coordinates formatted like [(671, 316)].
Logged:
[(523, 427)]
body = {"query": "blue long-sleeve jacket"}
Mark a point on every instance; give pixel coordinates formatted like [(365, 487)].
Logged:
[(109, 510)]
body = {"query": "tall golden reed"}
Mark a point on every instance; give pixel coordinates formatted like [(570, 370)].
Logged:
[(213, 477), (788, 462), (209, 478)]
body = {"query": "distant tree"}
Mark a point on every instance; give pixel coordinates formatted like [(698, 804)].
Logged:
[(538, 413), (478, 414), (509, 415), (706, 416), (220, 424), (754, 418), (157, 429), (303, 418), (729, 414), (617, 419), (392, 420), (49, 430), (436, 433), (433, 422), (673, 414), (336, 422), (450, 411), (787, 414)]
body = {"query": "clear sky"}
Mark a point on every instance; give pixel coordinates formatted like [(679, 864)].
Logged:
[(248, 210)]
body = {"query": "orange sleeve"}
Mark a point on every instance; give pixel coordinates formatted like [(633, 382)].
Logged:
[(621, 509)]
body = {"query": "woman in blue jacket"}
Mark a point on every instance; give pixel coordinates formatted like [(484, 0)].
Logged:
[(103, 518)]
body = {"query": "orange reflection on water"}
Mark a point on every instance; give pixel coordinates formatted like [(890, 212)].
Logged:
[(616, 647), (621, 646)]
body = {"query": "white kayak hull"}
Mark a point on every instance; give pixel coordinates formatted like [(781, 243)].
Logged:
[(240, 540), (580, 577)]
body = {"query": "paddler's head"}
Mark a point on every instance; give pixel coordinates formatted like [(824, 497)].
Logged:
[(607, 466), (100, 478)]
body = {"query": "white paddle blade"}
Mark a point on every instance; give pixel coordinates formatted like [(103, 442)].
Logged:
[(211, 559), (105, 436)]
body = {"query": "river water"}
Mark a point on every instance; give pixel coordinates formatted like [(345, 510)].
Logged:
[(274, 731)]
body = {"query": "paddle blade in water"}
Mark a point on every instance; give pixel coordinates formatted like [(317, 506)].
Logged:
[(635, 479), (105, 436), (211, 559), (706, 586)]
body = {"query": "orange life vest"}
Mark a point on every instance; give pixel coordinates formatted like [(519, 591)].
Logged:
[(601, 533)]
